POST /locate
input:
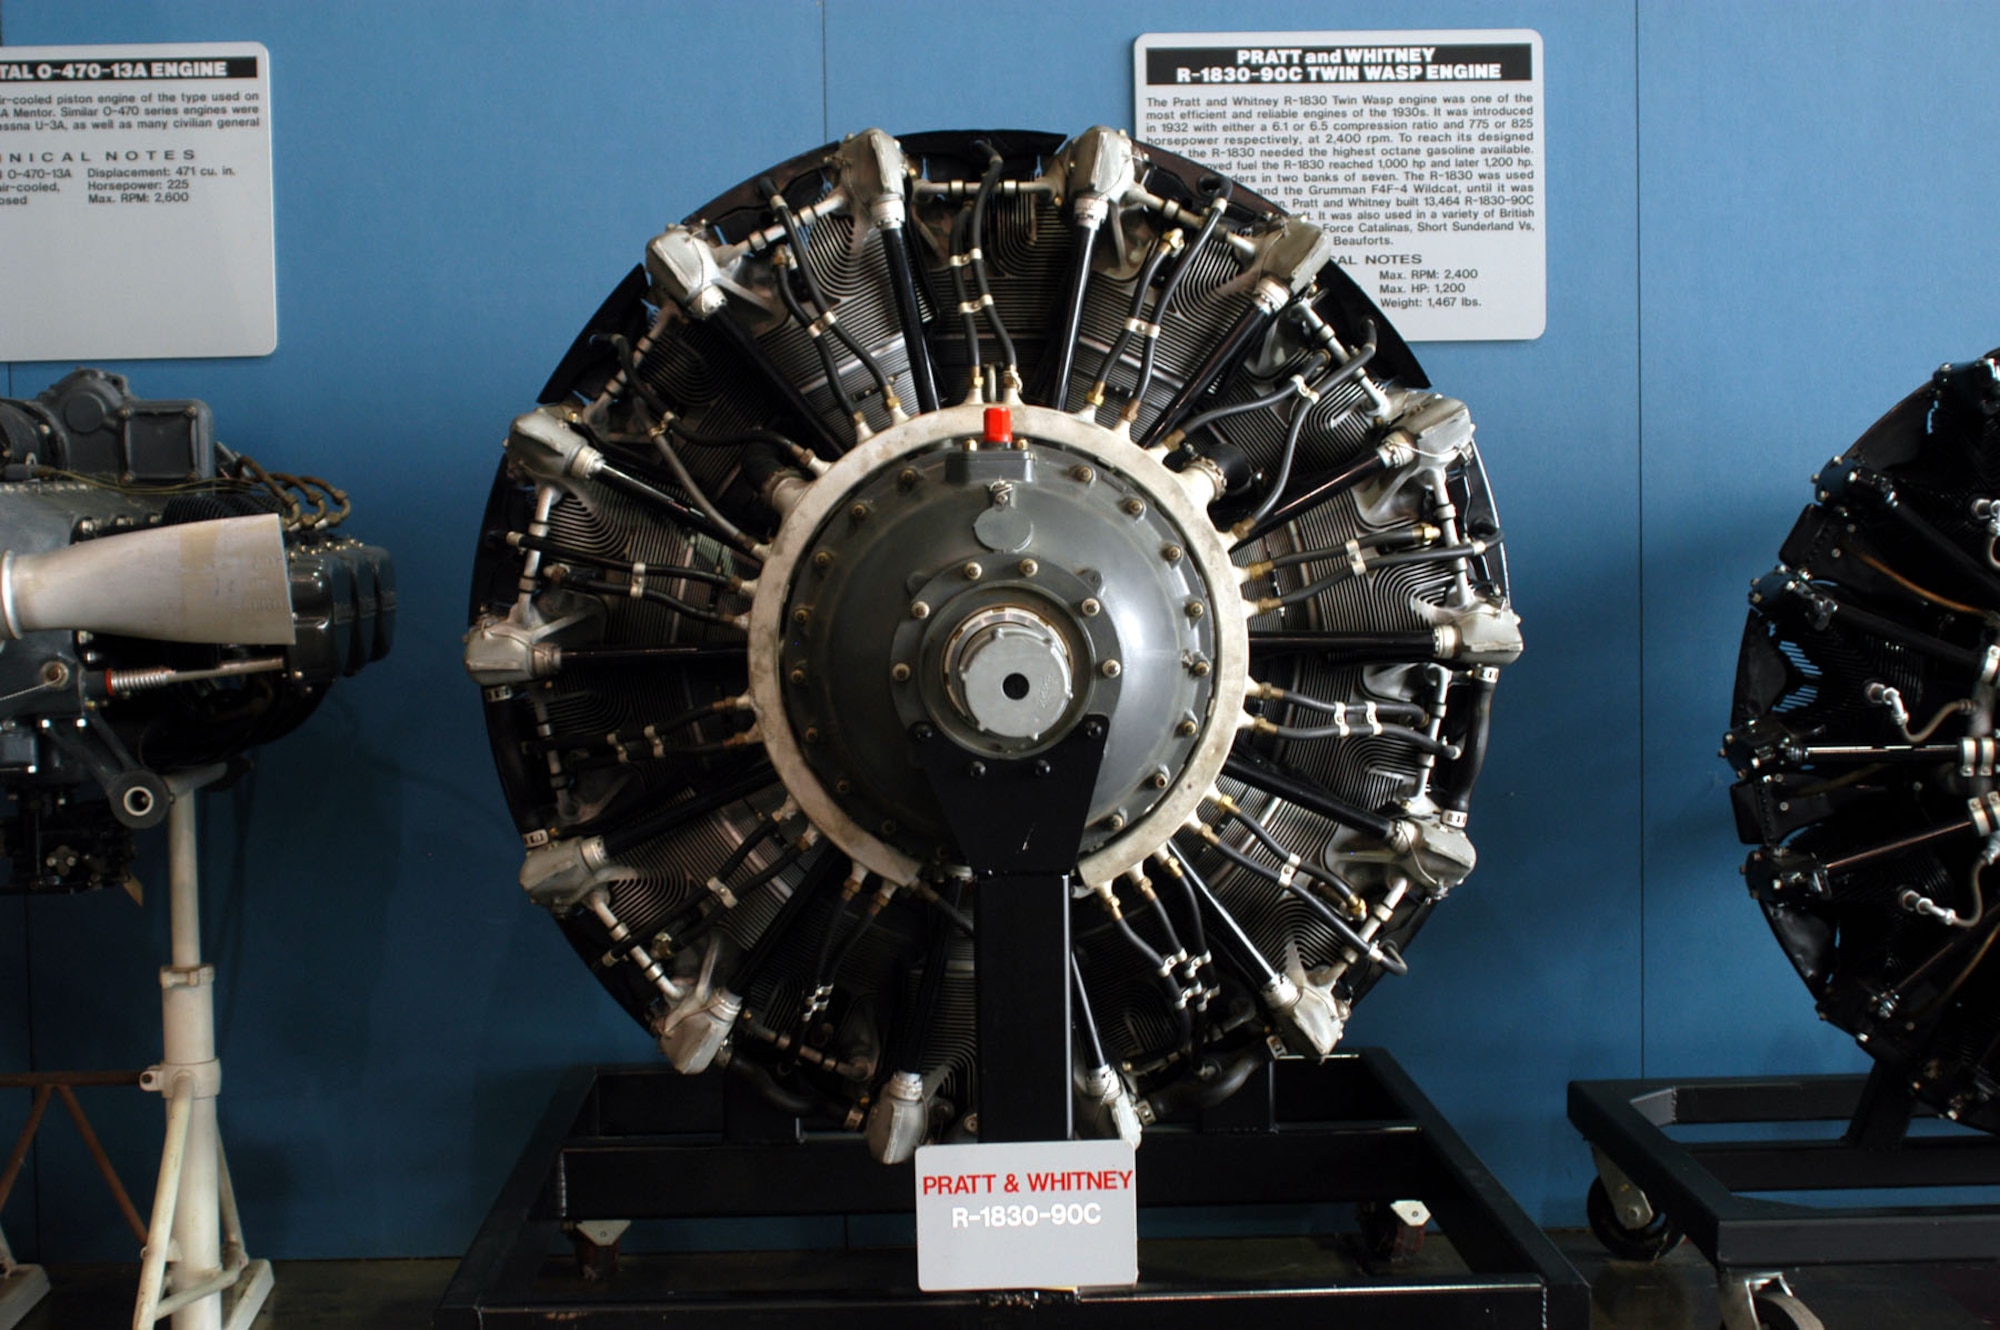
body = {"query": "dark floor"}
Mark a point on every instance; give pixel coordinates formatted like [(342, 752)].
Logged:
[(1676, 1294)]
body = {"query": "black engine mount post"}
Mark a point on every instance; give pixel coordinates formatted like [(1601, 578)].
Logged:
[(1018, 823)]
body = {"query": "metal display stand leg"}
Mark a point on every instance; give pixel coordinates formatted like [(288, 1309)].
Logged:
[(643, 1143), (195, 1240), (1661, 1185)]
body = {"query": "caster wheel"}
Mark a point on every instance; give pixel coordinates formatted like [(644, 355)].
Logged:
[(1632, 1244), (1782, 1311)]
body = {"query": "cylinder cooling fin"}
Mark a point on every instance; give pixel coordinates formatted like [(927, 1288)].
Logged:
[(989, 472), (1862, 739)]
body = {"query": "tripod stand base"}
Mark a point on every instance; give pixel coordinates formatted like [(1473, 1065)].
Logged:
[(251, 1290), (20, 1289), (634, 1144)]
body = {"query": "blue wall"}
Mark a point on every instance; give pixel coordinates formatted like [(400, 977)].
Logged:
[(1763, 229)]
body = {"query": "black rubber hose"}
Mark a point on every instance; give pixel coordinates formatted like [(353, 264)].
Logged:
[(968, 313), (1472, 747), (979, 205), (738, 439), (1198, 891), (741, 854), (797, 237), (1329, 485), (1431, 554), (1086, 1021), (1408, 713), (1194, 1092), (861, 927), (569, 554), (653, 596), (681, 474), (828, 363), (1276, 397), (1140, 290), (691, 923), (747, 346), (684, 514), (1158, 908), (1951, 550), (825, 954), (1341, 927), (1417, 739), (1346, 373), (1217, 207), (1271, 843), (1276, 486), (578, 738), (1157, 965), (1197, 930), (1869, 622), (824, 869), (765, 1083), (910, 314), (906, 1053), (1382, 544)]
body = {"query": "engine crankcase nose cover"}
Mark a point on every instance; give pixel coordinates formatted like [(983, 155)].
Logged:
[(1862, 738), (998, 595), (948, 459)]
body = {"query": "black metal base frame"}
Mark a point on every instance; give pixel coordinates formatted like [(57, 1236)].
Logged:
[(1699, 1186), (642, 1143)]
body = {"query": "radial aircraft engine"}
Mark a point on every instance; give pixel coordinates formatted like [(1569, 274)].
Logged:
[(921, 506)]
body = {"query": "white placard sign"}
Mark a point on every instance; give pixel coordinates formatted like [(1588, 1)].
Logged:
[(135, 202), (1421, 152), (1040, 1214)]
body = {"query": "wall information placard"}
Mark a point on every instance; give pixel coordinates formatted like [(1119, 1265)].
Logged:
[(135, 202), (1420, 152)]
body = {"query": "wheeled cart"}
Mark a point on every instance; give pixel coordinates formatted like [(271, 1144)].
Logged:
[(1653, 1189), (623, 1145)]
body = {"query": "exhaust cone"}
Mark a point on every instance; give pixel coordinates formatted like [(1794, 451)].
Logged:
[(218, 581)]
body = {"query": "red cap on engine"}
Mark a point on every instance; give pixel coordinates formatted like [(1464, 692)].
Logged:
[(999, 424)]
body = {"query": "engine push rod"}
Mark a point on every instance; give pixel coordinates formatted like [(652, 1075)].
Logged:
[(1265, 775), (1084, 233), (902, 282)]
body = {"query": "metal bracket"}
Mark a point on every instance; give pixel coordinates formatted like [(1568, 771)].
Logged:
[(1633, 1209)]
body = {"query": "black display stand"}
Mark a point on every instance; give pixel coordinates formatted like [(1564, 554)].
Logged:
[(620, 1143), (1697, 1187)]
